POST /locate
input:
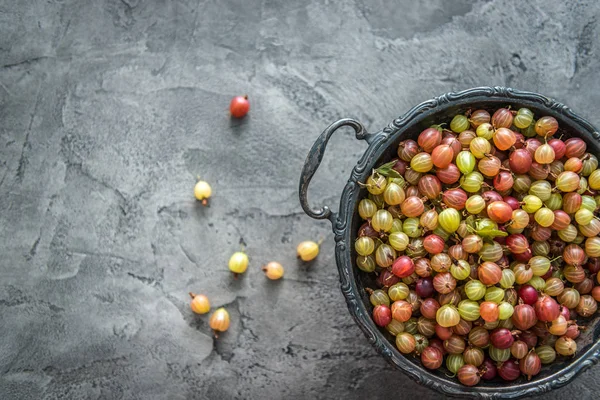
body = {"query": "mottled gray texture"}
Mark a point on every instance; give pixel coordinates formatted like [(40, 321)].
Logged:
[(110, 109)]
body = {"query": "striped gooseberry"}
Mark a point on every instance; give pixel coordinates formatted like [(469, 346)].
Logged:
[(444, 282), (504, 138), (449, 219), (442, 156), (485, 130), (382, 315), (447, 316), (382, 221), (429, 219), (465, 137), (434, 244), (405, 342), (479, 147), (465, 161), (472, 243), (519, 349), (523, 119), (448, 175), (489, 273), (429, 139), (489, 311), (524, 316), (544, 217), (401, 310), (461, 270), (454, 344), (394, 194), (421, 162), (385, 255), (503, 181), (517, 243), (499, 211), (364, 245), (575, 147), (546, 354), (546, 308), (587, 306), (469, 310), (546, 126), (479, 117), (544, 154), (455, 198), (567, 181), (403, 266), (412, 207), (573, 164), (565, 346), (502, 118), (459, 123), (430, 186), (520, 161), (366, 208), (376, 183), (432, 358), (407, 150), (454, 362), (489, 166), (530, 365), (509, 370), (559, 147)]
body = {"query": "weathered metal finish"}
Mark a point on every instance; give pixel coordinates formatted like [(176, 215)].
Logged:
[(381, 145)]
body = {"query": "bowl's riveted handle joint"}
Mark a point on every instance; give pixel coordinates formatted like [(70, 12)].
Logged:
[(313, 160)]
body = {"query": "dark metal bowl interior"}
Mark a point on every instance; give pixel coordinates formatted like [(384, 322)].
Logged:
[(569, 126)]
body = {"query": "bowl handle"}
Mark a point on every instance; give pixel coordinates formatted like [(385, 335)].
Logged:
[(314, 158)]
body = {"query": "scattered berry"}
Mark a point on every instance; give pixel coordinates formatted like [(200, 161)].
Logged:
[(199, 303), (238, 262), (219, 321), (239, 106), (202, 191), (273, 270), (308, 250)]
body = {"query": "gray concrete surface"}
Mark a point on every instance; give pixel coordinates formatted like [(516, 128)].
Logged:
[(110, 109)]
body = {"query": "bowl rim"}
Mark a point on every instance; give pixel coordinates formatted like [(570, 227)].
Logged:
[(342, 228)]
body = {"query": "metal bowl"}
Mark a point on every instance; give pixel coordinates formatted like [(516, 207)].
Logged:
[(382, 148)]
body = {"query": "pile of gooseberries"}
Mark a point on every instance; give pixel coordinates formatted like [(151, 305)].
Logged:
[(484, 242)]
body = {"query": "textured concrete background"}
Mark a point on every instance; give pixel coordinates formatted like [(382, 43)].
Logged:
[(110, 109)]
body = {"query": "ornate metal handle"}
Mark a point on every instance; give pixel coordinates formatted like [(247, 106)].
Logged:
[(314, 158)]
